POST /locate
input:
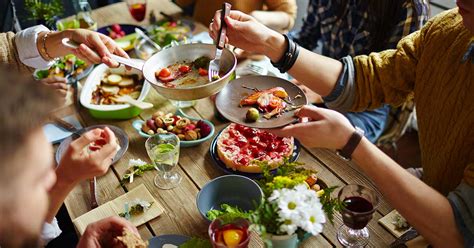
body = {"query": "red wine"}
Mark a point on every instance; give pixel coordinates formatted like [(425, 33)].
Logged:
[(358, 204), (357, 212), (138, 11)]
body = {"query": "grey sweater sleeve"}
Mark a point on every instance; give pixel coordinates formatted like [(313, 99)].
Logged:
[(462, 202), (342, 97)]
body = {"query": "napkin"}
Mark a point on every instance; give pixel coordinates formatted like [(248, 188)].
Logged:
[(56, 134), (116, 206)]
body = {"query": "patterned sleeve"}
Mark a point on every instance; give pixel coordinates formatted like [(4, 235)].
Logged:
[(414, 16), (310, 32)]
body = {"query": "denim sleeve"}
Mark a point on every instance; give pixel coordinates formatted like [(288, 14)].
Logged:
[(342, 97), (462, 202)]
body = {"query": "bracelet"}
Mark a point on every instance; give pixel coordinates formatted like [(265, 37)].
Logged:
[(44, 51), (289, 57)]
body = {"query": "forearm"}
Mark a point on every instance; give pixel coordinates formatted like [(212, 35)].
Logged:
[(276, 20), (423, 207), (318, 72), (57, 195)]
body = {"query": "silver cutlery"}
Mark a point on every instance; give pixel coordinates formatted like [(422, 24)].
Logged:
[(93, 190), (214, 65), (147, 38)]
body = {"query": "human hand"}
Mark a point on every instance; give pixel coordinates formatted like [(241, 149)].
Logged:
[(324, 129), (79, 163), (312, 96), (103, 233), (89, 42), (59, 84), (245, 32)]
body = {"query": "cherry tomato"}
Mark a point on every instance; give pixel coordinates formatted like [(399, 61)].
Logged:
[(116, 28), (184, 69), (202, 72), (165, 72)]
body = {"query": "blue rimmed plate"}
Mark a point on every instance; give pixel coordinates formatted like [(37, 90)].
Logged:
[(220, 165)]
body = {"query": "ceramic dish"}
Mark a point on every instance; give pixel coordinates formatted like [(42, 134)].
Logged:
[(119, 133), (82, 75), (117, 111), (170, 240), (234, 190), (220, 165), (137, 125), (228, 100)]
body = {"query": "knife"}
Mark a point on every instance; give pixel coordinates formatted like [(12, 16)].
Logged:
[(407, 236), (93, 190), (148, 39)]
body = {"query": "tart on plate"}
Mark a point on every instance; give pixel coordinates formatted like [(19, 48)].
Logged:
[(242, 148)]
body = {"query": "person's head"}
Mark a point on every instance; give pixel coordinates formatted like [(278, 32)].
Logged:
[(466, 10), (383, 16), (26, 165)]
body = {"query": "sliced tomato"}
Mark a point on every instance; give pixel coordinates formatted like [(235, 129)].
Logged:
[(165, 72), (202, 72), (184, 69)]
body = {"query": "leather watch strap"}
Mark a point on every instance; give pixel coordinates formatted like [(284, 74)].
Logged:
[(354, 140)]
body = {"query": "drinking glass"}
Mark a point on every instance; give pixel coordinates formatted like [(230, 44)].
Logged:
[(163, 150), (360, 204), (221, 239), (137, 9)]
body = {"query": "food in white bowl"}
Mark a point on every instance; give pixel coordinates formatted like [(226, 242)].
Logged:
[(112, 110), (113, 85)]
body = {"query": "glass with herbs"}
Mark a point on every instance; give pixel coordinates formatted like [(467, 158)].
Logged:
[(163, 150), (229, 233)]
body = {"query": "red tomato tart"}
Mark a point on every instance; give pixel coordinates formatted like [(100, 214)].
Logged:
[(239, 147)]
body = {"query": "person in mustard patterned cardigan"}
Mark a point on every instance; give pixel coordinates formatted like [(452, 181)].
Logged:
[(435, 67)]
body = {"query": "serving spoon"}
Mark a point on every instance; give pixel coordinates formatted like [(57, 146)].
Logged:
[(128, 99)]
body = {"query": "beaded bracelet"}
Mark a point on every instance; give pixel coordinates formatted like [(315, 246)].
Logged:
[(43, 49)]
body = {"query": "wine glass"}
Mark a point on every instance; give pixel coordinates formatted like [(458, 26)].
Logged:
[(137, 9), (229, 234), (359, 204), (163, 150)]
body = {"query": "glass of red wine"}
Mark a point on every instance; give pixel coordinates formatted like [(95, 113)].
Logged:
[(225, 234), (137, 9), (359, 204)]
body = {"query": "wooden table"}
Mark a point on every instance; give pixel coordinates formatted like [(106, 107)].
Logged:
[(196, 167)]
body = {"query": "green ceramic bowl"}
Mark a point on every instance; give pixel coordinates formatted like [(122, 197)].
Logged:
[(118, 111)]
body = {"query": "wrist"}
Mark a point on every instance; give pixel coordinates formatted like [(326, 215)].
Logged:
[(64, 179), (275, 46), (352, 142)]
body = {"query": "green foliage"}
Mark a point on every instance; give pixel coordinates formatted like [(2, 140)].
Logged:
[(227, 213), (44, 10), (137, 170), (330, 205)]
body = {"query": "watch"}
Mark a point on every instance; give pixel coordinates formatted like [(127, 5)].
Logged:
[(346, 152)]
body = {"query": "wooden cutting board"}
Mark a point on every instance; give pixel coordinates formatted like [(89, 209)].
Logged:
[(116, 206)]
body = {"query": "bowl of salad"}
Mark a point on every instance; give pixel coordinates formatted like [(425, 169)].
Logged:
[(68, 64)]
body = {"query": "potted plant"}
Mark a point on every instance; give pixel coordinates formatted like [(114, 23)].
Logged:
[(295, 206), (44, 12)]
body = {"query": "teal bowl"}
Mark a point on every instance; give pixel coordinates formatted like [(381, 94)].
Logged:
[(234, 190), (137, 125)]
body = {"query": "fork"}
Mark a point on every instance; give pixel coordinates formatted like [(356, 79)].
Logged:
[(214, 64)]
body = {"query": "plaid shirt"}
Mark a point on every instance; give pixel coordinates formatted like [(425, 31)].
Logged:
[(348, 36)]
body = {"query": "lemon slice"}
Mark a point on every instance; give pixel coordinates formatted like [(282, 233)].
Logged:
[(232, 238)]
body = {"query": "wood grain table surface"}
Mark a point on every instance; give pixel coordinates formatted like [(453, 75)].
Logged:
[(196, 166)]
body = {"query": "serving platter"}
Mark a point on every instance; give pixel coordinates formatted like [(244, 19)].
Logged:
[(122, 138), (221, 166), (228, 100)]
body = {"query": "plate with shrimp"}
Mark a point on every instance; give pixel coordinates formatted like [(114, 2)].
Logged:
[(260, 101)]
